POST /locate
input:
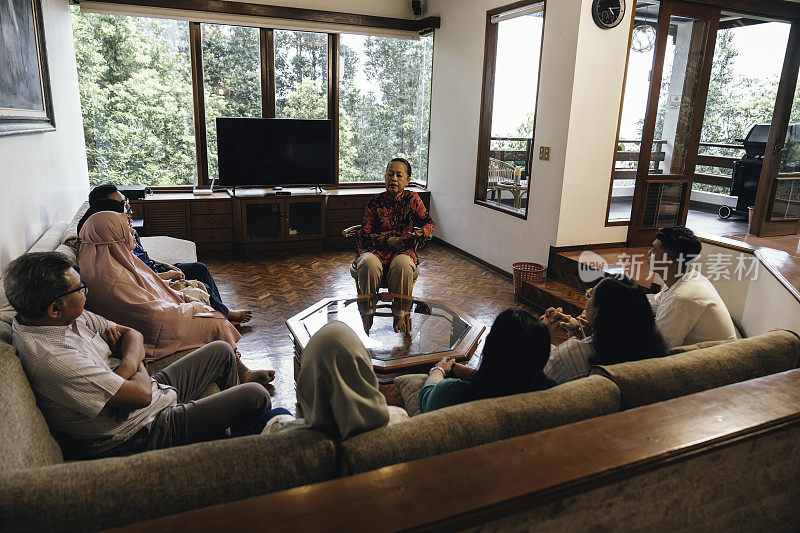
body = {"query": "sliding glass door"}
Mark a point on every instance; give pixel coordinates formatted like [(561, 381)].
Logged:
[(678, 89)]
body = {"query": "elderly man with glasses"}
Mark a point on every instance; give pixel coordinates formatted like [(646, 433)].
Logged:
[(90, 382)]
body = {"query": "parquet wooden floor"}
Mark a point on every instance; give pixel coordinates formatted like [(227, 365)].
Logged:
[(278, 285)]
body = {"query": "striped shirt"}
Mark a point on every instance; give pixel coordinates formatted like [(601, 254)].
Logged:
[(70, 369), (570, 360)]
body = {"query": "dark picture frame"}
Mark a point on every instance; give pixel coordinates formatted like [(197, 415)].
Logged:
[(26, 103)]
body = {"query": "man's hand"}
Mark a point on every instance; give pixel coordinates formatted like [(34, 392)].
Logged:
[(130, 345), (446, 364), (113, 338)]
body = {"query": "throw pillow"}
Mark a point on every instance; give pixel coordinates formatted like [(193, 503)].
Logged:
[(409, 386)]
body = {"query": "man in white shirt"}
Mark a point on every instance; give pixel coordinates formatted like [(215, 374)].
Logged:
[(688, 309), (89, 380)]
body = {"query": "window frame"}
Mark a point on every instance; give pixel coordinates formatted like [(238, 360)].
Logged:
[(267, 61), (487, 104)]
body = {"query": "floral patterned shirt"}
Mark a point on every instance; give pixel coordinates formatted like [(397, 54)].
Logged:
[(385, 217)]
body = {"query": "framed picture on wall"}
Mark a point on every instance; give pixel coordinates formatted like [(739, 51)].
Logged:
[(26, 103)]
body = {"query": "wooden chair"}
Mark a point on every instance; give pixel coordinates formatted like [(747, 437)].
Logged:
[(498, 171), (354, 233)]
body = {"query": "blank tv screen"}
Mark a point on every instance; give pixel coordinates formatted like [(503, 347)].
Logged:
[(269, 152)]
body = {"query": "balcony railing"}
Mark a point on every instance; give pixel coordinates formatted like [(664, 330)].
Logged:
[(628, 158), (513, 150)]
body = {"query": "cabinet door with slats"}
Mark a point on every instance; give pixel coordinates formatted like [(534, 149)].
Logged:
[(167, 218)]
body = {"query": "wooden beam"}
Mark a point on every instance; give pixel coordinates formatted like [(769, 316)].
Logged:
[(333, 96), (267, 42), (200, 140), (289, 13)]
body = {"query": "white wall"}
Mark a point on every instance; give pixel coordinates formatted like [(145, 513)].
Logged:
[(44, 175), (756, 300), (498, 238), (593, 118)]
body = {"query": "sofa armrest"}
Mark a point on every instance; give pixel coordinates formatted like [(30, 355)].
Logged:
[(170, 250), (104, 493)]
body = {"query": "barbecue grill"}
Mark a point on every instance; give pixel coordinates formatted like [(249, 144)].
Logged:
[(747, 170)]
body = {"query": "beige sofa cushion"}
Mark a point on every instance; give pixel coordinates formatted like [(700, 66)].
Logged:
[(104, 493), (51, 238), (655, 380), (69, 236), (409, 387), (474, 423), (698, 346), (25, 439)]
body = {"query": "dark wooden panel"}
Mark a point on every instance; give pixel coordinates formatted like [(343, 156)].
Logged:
[(212, 235), (210, 208), (137, 209), (346, 202), (212, 221), (167, 218), (293, 13), (335, 228), (346, 215)]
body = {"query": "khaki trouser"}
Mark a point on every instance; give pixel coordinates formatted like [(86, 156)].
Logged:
[(400, 277)]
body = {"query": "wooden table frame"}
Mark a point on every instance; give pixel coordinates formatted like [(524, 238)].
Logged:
[(387, 370)]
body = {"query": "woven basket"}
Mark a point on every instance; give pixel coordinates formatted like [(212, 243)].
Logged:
[(530, 272)]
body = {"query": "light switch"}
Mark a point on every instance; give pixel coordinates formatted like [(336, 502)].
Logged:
[(544, 153)]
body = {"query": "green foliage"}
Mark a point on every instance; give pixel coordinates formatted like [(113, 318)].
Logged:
[(136, 95), (134, 82), (384, 113)]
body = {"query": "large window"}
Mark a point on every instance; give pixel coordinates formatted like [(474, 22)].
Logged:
[(136, 94), (139, 77), (508, 110), (384, 105), (231, 79), (301, 74)]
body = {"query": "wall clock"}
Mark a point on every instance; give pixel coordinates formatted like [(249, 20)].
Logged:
[(608, 14)]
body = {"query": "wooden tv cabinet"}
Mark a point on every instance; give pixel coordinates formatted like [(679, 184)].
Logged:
[(251, 222)]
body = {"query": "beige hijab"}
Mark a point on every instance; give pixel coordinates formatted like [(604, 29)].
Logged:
[(337, 387), (123, 289)]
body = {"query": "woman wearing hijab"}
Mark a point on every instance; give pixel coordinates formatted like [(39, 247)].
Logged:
[(123, 289), (337, 388)]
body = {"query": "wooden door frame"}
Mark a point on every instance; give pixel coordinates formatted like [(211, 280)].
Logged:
[(636, 235), (763, 225)]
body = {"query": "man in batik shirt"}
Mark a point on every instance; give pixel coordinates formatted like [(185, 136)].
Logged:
[(394, 223)]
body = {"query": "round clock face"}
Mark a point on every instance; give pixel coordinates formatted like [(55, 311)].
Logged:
[(608, 13)]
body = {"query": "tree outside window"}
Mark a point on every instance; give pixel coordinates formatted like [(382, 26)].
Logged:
[(301, 74), (384, 105), (135, 87)]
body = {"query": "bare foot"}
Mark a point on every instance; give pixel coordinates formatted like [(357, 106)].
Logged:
[(254, 376), (240, 316)]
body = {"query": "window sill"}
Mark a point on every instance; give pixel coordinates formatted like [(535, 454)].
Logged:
[(507, 210)]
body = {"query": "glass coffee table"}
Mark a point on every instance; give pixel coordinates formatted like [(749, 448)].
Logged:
[(437, 329)]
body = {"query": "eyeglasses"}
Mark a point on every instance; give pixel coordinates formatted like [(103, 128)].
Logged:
[(82, 288)]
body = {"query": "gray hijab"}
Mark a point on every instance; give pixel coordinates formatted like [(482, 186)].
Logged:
[(336, 386)]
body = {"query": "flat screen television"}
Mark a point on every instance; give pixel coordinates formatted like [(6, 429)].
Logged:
[(270, 152)]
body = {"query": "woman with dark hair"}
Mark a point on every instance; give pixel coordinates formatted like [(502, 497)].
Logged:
[(513, 358), (622, 327)]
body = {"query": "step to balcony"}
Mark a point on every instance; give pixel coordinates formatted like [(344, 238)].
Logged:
[(573, 267), (553, 293)]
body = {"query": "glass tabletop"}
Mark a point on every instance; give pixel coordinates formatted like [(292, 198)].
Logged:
[(434, 327)]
